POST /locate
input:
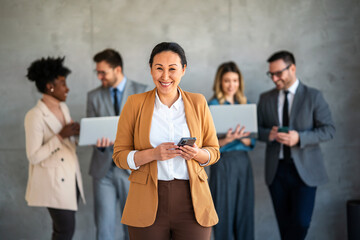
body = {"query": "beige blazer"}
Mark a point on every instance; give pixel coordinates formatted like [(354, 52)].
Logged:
[(133, 134), (53, 165)]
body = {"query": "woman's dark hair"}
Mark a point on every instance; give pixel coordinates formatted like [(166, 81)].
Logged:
[(168, 46), (43, 71)]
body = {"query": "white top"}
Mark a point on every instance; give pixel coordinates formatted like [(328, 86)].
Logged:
[(167, 125), (281, 99)]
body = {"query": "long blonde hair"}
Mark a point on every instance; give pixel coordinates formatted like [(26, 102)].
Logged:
[(218, 91)]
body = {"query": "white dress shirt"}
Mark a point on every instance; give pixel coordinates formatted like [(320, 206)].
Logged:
[(281, 99), (167, 125)]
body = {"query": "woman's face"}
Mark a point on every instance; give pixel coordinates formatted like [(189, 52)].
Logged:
[(167, 72), (230, 83), (60, 89)]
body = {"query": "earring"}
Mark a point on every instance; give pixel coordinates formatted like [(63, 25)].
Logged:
[(51, 89)]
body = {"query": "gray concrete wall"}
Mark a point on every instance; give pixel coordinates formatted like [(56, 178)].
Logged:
[(324, 36)]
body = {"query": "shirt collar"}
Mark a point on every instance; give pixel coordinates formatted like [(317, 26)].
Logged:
[(292, 88), (159, 104), (121, 85)]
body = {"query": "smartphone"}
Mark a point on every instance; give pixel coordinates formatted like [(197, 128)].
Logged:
[(186, 141), (283, 129)]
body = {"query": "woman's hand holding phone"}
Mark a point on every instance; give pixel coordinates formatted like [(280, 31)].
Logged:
[(189, 152), (166, 151), (188, 148)]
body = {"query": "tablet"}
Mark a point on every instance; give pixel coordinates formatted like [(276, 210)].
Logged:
[(229, 116), (91, 129)]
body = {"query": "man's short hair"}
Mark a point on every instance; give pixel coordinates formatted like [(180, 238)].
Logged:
[(112, 57), (286, 56)]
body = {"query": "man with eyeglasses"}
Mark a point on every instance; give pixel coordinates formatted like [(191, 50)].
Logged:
[(293, 120), (110, 183)]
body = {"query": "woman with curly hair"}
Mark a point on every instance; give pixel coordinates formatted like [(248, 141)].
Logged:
[(54, 179)]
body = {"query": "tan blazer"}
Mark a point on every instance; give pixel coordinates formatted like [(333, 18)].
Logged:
[(53, 165), (133, 134)]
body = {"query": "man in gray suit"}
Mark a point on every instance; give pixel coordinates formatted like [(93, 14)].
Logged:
[(293, 120), (110, 183)]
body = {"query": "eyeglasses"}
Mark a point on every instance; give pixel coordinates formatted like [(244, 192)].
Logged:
[(101, 73), (278, 73)]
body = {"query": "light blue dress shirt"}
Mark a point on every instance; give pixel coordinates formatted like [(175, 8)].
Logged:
[(120, 91)]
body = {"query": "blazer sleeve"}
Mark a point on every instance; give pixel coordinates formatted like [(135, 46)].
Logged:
[(262, 129), (210, 140), (323, 129), (124, 142), (36, 149), (90, 109)]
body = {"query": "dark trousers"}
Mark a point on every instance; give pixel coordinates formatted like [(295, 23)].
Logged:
[(232, 189), (63, 223), (175, 217), (293, 202)]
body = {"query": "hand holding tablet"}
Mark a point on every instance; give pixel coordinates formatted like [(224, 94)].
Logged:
[(92, 129)]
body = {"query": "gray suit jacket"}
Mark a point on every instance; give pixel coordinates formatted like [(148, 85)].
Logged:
[(311, 117), (99, 104)]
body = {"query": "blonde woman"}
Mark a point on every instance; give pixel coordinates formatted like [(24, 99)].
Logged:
[(231, 179)]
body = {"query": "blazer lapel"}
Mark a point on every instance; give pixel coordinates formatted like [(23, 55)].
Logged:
[(191, 117), (273, 106), (53, 123), (298, 100), (71, 140), (49, 118), (144, 129), (66, 113), (105, 95)]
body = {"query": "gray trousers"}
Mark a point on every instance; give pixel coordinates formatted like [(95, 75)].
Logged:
[(110, 192), (232, 188)]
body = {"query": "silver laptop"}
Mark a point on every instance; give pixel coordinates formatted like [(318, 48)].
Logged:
[(91, 129), (229, 116)]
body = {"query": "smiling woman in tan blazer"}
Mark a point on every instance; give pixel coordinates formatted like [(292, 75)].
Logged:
[(54, 175), (169, 196)]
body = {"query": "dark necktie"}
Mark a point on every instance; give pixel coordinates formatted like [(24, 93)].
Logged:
[(116, 102), (285, 119)]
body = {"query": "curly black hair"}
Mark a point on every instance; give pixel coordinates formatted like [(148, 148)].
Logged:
[(43, 71)]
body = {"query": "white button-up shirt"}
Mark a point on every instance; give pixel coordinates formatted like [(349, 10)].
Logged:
[(167, 125), (281, 100)]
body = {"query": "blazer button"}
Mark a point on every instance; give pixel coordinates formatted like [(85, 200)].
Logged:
[(62, 159), (62, 180)]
